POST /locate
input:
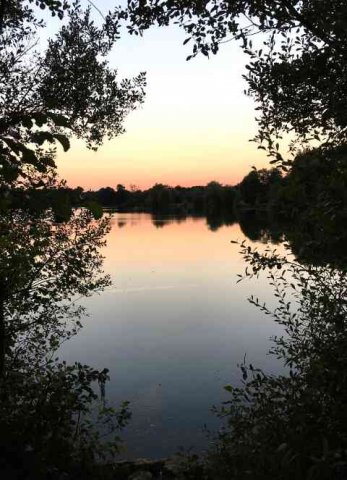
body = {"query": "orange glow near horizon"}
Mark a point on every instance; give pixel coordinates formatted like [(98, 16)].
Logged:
[(111, 165)]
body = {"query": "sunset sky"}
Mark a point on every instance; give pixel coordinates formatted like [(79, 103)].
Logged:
[(194, 126)]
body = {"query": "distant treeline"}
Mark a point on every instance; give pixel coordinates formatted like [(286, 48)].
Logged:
[(309, 202), (314, 180), (306, 205), (257, 191)]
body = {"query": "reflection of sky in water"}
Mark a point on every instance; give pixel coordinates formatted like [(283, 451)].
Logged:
[(173, 327)]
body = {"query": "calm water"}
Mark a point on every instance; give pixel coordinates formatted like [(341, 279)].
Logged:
[(173, 328)]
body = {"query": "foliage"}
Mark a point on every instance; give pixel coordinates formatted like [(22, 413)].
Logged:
[(313, 196), (44, 265), (69, 90), (256, 186), (44, 261), (292, 425), (52, 419), (296, 71), (159, 198), (213, 198)]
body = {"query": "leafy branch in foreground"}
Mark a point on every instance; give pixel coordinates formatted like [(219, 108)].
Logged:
[(45, 264), (67, 91), (291, 425), (297, 54), (52, 418), (49, 253)]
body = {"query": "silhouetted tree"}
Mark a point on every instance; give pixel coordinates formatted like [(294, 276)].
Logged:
[(259, 186), (213, 198), (107, 196), (159, 198), (68, 90), (292, 76)]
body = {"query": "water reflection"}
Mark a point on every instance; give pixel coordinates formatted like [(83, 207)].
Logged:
[(160, 221), (171, 329), (215, 222), (305, 243), (258, 227), (173, 326)]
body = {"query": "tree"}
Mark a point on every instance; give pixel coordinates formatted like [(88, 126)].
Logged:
[(292, 425), (250, 188), (122, 194), (49, 252), (46, 98), (67, 91), (107, 196), (160, 198), (313, 201), (255, 188), (44, 262), (297, 76), (213, 198), (52, 417)]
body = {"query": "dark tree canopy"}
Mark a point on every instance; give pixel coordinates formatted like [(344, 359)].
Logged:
[(69, 90), (296, 73), (49, 252)]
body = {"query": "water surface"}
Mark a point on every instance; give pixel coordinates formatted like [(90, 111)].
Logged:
[(173, 327)]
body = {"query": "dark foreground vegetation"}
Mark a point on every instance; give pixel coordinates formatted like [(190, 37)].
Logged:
[(55, 421)]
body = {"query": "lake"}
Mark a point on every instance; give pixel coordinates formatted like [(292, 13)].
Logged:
[(173, 327)]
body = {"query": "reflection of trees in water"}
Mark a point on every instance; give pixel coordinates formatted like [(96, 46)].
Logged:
[(219, 219), (214, 221), (259, 227), (160, 221), (45, 404), (310, 244)]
